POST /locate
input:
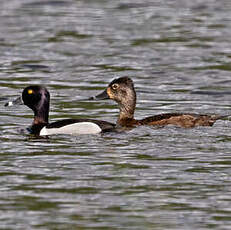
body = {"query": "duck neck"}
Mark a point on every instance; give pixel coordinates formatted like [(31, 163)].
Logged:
[(127, 110), (41, 114)]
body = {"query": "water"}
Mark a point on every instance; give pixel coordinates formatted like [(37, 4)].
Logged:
[(178, 55)]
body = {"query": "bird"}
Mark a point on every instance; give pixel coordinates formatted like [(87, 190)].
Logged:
[(37, 98), (122, 91)]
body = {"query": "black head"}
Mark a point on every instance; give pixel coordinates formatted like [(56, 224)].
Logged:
[(36, 97)]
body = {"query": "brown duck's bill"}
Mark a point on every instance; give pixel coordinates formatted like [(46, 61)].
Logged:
[(17, 101), (101, 96)]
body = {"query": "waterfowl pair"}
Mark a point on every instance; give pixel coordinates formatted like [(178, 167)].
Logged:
[(37, 98), (122, 91)]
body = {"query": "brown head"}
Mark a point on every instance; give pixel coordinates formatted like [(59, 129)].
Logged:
[(122, 91)]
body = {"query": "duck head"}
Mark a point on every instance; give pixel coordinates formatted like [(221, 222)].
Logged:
[(36, 98), (122, 91)]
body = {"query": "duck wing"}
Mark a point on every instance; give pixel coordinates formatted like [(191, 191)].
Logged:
[(185, 120)]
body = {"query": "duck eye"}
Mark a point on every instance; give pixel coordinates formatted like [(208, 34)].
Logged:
[(115, 86), (30, 91)]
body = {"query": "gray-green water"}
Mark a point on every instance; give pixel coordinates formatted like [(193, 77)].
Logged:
[(178, 54)]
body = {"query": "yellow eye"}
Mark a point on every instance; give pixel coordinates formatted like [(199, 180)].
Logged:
[(115, 86), (30, 91)]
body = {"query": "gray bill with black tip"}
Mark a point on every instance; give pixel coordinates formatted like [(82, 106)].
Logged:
[(101, 96), (17, 101)]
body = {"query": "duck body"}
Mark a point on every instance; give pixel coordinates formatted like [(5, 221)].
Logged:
[(176, 119), (76, 126), (122, 91), (37, 98), (72, 127)]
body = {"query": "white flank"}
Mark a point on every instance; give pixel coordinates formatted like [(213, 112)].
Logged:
[(76, 128)]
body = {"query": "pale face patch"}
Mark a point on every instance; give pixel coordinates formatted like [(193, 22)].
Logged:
[(72, 129), (109, 93)]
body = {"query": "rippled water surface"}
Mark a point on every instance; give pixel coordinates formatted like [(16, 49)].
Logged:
[(178, 55)]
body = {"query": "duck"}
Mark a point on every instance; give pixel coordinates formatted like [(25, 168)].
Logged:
[(122, 91), (37, 98)]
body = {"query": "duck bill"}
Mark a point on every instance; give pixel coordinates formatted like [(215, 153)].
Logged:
[(101, 96), (17, 101)]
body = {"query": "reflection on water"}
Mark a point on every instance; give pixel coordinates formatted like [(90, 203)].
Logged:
[(177, 53)]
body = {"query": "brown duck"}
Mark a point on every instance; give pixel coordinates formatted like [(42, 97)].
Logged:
[(122, 91)]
